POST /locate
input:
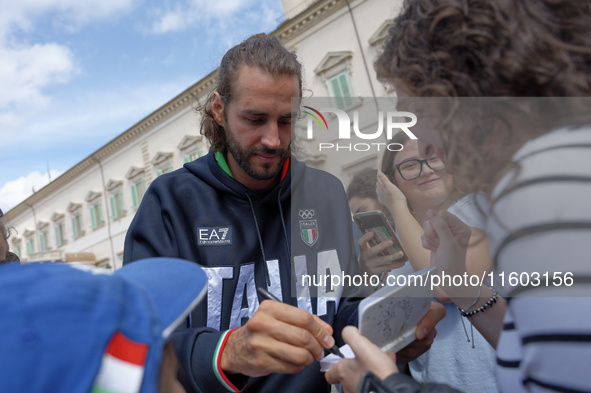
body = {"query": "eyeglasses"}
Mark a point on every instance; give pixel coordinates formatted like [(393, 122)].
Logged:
[(413, 167)]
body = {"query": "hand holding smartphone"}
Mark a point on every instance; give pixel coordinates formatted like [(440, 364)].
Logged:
[(375, 221)]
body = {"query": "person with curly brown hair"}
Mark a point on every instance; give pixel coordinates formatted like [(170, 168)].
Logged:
[(512, 79)]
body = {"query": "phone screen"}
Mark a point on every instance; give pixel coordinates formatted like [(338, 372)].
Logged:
[(375, 221), (382, 233)]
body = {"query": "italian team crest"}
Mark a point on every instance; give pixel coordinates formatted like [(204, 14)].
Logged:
[(308, 226)]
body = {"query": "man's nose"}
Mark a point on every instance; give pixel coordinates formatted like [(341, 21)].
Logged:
[(270, 138)]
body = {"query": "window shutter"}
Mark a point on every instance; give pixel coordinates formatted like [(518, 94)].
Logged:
[(337, 92), (93, 220), (42, 241), (74, 227), (113, 203), (119, 200), (346, 89), (134, 195), (341, 90)]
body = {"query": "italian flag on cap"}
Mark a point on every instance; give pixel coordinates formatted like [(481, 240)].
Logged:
[(122, 368)]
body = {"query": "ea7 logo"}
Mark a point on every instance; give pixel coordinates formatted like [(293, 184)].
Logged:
[(215, 236)]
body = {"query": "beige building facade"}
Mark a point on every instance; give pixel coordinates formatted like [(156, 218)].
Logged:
[(83, 215)]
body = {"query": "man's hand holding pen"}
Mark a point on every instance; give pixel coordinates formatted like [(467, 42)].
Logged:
[(278, 338)]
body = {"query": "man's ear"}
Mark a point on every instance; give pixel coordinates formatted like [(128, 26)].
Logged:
[(217, 108)]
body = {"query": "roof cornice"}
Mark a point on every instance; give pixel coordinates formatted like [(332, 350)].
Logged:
[(307, 18)]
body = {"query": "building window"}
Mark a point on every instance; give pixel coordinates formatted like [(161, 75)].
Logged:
[(335, 70), (162, 171), (378, 38), (43, 241), (77, 226), (58, 228), (43, 228), (136, 178), (193, 156), (341, 91), (116, 202), (96, 215), (30, 244), (75, 210), (96, 211), (162, 163), (59, 234), (192, 147), (138, 190), (114, 187), (29, 237)]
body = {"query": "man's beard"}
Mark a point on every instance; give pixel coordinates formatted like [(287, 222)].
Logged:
[(242, 157)]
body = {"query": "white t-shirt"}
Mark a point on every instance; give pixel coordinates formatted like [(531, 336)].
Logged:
[(540, 223), (451, 359)]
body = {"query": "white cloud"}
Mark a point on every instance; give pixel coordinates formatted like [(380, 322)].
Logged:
[(16, 191), (25, 71), (87, 123), (217, 16), (69, 13), (170, 21), (94, 117)]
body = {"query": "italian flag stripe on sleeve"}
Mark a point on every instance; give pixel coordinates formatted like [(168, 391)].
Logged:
[(122, 367), (217, 369)]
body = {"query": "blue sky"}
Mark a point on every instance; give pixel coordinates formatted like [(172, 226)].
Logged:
[(75, 74)]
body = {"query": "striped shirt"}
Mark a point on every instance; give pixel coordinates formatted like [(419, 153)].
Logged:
[(539, 230)]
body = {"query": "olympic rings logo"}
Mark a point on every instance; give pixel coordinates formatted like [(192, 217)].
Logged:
[(307, 214)]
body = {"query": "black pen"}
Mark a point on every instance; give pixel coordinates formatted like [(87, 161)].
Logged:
[(269, 296)]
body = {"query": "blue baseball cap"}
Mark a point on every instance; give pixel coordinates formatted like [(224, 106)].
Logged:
[(68, 329)]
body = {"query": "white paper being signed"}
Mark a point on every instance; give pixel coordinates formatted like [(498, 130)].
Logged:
[(332, 359)]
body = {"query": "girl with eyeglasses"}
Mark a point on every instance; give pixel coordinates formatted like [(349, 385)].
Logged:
[(409, 186)]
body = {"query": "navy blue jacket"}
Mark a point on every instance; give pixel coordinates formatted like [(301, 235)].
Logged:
[(246, 239)]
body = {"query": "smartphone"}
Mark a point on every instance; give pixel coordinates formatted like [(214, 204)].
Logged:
[(375, 221)]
